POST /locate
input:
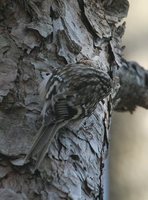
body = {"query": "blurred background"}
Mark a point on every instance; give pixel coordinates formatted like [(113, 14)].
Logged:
[(129, 133)]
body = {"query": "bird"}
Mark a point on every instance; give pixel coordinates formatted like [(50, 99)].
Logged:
[(69, 93)]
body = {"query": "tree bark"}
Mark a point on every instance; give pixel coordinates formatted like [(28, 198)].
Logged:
[(35, 38), (133, 90)]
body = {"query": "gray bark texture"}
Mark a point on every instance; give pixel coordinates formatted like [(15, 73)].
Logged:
[(133, 87), (37, 36)]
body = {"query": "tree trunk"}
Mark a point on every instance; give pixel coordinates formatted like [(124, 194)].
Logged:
[(35, 38)]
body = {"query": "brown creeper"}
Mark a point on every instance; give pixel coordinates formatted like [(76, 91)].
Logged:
[(70, 93)]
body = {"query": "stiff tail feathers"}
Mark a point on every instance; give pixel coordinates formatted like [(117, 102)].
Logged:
[(41, 143)]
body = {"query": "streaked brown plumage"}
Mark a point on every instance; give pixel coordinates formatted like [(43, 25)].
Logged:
[(70, 93)]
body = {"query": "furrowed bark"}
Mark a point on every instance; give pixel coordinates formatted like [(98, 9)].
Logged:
[(35, 38)]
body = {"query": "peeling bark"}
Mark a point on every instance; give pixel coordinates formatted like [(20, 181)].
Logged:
[(35, 38)]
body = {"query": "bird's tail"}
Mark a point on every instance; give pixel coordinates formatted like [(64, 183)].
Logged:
[(41, 143)]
